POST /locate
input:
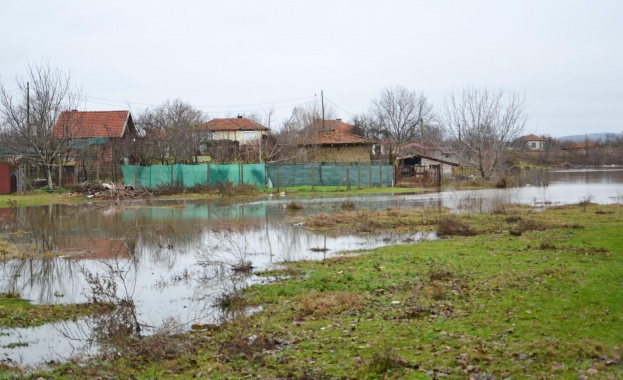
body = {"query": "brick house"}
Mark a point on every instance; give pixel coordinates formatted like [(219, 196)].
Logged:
[(231, 139), (240, 129), (331, 146), (93, 140)]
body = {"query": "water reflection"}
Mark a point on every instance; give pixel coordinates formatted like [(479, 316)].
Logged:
[(175, 260)]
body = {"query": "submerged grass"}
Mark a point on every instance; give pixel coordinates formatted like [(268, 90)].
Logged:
[(547, 303), (343, 189), (17, 312)]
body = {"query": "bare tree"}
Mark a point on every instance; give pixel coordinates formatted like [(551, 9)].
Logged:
[(30, 112), (398, 116), (171, 127), (483, 123), (285, 144)]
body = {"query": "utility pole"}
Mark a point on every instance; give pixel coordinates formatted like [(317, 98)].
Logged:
[(322, 103), (28, 107)]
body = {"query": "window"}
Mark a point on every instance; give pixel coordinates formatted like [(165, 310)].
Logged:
[(248, 136)]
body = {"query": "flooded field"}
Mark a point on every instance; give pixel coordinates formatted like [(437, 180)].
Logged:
[(173, 261)]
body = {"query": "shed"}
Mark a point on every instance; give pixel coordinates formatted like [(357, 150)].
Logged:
[(424, 160)]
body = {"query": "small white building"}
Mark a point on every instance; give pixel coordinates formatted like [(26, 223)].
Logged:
[(530, 142)]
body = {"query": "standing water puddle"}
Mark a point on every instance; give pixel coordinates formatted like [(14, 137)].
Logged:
[(174, 260)]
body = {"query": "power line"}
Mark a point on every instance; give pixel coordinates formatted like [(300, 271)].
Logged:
[(86, 98), (332, 102), (133, 105)]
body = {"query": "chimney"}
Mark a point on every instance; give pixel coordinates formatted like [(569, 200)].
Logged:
[(239, 116), (338, 120)]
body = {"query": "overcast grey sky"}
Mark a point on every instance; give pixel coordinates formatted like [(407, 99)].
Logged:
[(241, 56)]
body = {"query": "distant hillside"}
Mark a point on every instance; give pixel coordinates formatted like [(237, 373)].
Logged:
[(593, 137)]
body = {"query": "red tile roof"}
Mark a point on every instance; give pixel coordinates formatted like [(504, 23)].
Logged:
[(413, 144), (531, 138), (89, 124), (332, 125), (337, 138), (232, 124)]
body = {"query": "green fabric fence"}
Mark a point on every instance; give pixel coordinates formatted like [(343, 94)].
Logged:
[(364, 174), (262, 175), (154, 176)]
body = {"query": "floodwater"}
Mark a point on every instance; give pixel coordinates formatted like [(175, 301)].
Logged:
[(174, 260)]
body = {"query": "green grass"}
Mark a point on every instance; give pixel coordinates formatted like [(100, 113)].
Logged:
[(40, 197), (17, 312), (545, 303)]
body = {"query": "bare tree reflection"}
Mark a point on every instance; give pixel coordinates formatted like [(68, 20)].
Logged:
[(50, 280), (113, 285), (226, 269)]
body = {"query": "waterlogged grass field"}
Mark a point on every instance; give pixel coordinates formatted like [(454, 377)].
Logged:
[(17, 312), (522, 294)]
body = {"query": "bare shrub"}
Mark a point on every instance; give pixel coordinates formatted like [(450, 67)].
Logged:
[(246, 188), (326, 303), (368, 225), (231, 302), (243, 338), (437, 290), (512, 219), (502, 183), (225, 188), (348, 205), (526, 225), (244, 266), (585, 202), (454, 227), (438, 273), (294, 206), (169, 189), (201, 188), (322, 220), (386, 360), (547, 246), (166, 343)]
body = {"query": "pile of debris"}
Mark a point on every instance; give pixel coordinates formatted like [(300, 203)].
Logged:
[(111, 190)]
